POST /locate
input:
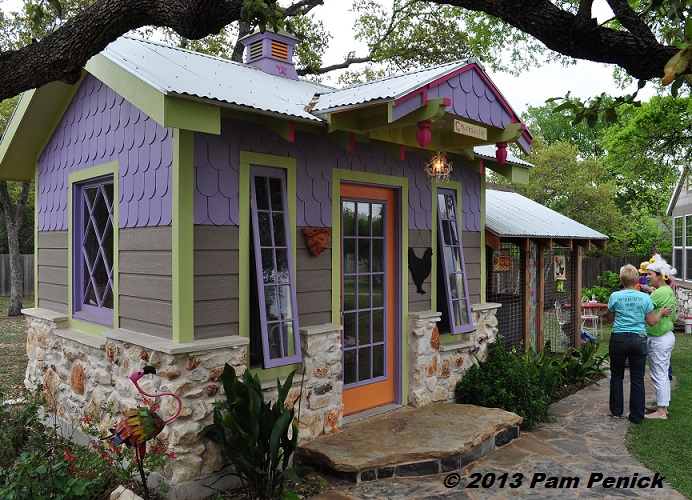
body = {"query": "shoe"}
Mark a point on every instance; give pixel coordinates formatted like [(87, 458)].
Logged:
[(615, 416), (632, 420), (651, 408), (656, 415)]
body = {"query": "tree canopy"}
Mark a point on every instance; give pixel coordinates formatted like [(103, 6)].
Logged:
[(641, 38)]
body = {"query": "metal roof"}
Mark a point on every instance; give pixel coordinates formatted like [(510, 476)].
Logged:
[(510, 214), (489, 153), (386, 89), (173, 70)]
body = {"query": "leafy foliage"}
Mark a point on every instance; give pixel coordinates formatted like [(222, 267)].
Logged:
[(257, 436), (37, 462), (610, 282), (527, 383)]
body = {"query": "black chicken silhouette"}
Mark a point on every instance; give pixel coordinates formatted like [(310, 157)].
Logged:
[(420, 267)]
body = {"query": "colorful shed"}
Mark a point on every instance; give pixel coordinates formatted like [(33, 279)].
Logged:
[(193, 211)]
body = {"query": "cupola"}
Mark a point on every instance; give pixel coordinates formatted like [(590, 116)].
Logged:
[(272, 52)]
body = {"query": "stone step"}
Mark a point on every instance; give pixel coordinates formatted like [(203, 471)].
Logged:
[(433, 439)]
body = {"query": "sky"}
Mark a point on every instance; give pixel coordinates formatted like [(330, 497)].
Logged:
[(585, 79)]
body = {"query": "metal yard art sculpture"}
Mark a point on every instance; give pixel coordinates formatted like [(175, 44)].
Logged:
[(141, 424)]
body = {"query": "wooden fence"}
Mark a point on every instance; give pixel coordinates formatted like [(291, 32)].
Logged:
[(27, 266), (594, 267)]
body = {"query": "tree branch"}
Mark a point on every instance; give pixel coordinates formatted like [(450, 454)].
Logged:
[(327, 69), (639, 53), (61, 55)]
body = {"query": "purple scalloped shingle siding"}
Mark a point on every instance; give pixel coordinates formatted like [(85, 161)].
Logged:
[(98, 127), (217, 171)]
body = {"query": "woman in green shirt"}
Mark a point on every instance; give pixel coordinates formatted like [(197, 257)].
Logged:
[(661, 337)]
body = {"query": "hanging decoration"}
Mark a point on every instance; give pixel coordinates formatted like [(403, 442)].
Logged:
[(501, 261), (560, 273), (438, 167)]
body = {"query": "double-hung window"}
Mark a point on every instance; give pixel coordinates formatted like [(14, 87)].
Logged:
[(688, 250), (93, 251), (677, 243), (275, 298), (453, 296)]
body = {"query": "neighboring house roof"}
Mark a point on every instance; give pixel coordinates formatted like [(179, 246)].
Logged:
[(511, 215), (676, 192), (176, 71)]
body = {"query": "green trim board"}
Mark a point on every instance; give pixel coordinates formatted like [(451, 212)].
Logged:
[(385, 181), (110, 168), (31, 126), (247, 159), (183, 241), (167, 110)]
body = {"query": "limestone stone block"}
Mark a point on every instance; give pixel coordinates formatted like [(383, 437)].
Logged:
[(187, 467), (77, 377), (186, 433)]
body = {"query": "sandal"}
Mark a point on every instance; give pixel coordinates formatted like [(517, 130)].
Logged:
[(656, 415)]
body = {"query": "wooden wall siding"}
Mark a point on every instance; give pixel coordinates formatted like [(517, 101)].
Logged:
[(98, 127), (217, 167), (216, 281), (52, 271), (472, 259), (146, 283), (682, 206), (313, 283), (417, 302)]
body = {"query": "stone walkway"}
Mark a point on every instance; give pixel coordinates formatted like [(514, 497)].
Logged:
[(573, 457)]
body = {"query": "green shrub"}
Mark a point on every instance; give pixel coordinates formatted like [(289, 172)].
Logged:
[(609, 283), (505, 381), (258, 437), (527, 383)]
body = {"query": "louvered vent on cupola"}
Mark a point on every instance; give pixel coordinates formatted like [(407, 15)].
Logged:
[(271, 52)]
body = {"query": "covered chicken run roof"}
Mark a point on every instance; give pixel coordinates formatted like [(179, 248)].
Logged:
[(511, 215)]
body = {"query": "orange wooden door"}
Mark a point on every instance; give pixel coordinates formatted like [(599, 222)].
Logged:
[(368, 301)]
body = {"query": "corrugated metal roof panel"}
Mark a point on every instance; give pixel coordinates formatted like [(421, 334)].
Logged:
[(489, 152), (172, 70), (513, 215), (384, 89)]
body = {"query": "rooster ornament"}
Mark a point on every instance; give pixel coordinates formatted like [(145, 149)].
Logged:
[(420, 267), (140, 424)]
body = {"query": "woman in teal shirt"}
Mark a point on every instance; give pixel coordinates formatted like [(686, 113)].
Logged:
[(630, 310), (661, 337)]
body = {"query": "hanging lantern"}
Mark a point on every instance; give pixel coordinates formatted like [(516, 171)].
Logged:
[(438, 167)]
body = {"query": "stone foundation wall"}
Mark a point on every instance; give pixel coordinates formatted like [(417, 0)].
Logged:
[(81, 373), (684, 296), (434, 368)]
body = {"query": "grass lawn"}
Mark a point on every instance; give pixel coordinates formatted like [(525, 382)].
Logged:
[(665, 446), (12, 345)]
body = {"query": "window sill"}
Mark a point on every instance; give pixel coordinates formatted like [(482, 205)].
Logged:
[(169, 347)]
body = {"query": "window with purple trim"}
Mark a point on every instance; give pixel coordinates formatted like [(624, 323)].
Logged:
[(274, 336), (453, 296), (93, 251)]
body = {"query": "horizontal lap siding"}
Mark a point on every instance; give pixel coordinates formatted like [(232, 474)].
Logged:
[(417, 302), (216, 281), (313, 283), (471, 241), (53, 262), (146, 283)]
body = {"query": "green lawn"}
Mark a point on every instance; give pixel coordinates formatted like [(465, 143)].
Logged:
[(12, 345), (665, 446)]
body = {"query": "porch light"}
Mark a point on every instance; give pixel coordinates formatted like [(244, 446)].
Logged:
[(439, 168)]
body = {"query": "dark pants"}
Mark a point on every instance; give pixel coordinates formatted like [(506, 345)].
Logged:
[(630, 346)]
